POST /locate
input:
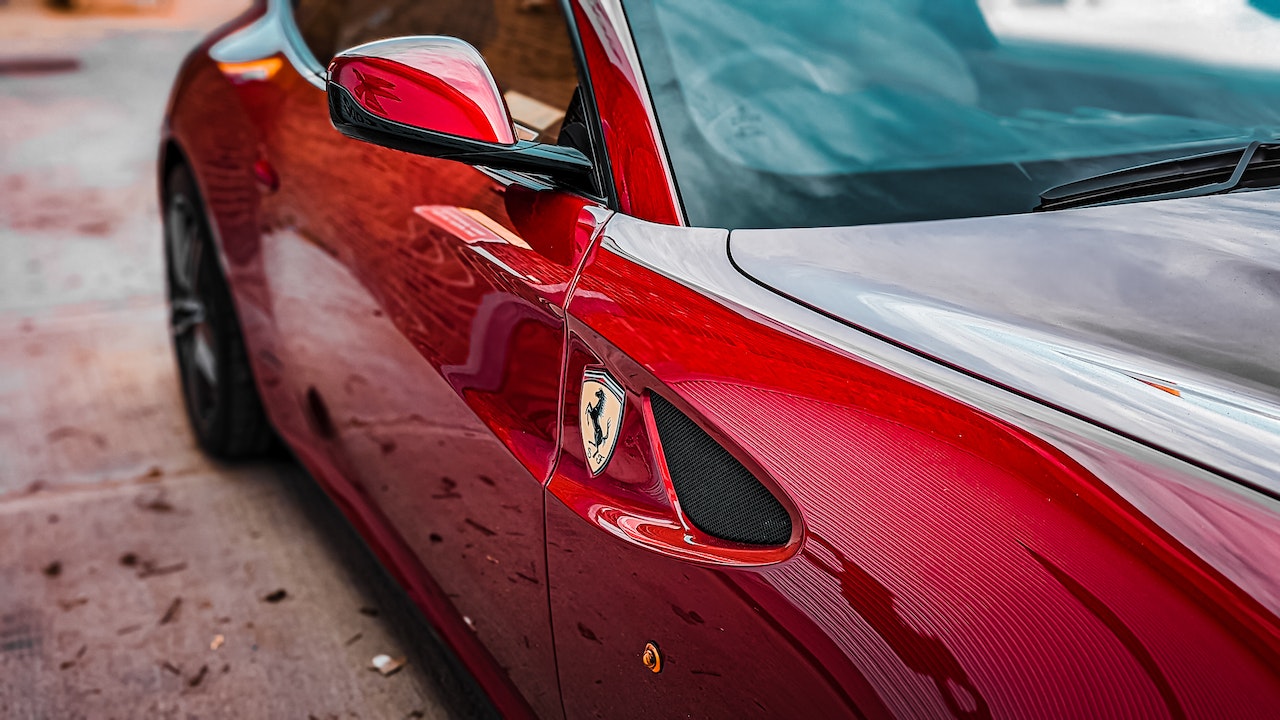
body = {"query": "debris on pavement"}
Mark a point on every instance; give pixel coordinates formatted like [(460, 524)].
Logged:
[(218, 640), (276, 596), (170, 668), (38, 65), (79, 654), (199, 676), (129, 559), (387, 665), (53, 569), (353, 639), (150, 569), (370, 611), (172, 613), (72, 604), (153, 500)]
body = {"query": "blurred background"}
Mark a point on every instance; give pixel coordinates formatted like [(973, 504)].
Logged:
[(138, 578)]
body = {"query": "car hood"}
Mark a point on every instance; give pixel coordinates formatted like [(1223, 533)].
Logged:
[(1158, 320)]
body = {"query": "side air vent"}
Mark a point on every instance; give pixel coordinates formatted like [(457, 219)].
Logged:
[(720, 496)]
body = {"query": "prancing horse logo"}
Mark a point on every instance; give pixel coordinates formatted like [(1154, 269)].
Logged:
[(600, 416)]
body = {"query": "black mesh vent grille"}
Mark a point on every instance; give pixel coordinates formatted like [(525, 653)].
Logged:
[(720, 496)]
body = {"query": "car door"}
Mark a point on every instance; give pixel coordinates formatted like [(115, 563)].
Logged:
[(421, 303)]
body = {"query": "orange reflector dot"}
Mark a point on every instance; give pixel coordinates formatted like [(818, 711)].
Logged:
[(651, 658)]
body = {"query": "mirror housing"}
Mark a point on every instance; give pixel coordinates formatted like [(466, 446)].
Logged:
[(435, 96)]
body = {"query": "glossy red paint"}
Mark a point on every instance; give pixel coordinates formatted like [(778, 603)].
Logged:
[(268, 180), (434, 337), (438, 84), (640, 176), (952, 565)]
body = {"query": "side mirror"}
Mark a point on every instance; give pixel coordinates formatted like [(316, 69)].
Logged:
[(435, 96)]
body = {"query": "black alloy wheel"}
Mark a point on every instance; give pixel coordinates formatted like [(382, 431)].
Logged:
[(217, 383)]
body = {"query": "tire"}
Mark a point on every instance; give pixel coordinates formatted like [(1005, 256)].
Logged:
[(218, 390)]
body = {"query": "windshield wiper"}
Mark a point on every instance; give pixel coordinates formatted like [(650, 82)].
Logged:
[(1256, 165)]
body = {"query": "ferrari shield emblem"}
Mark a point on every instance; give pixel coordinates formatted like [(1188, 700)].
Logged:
[(600, 417)]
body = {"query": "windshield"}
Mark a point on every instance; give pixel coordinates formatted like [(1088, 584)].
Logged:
[(843, 112)]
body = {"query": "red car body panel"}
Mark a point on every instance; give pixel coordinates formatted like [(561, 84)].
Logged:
[(418, 332), (429, 331), (947, 572)]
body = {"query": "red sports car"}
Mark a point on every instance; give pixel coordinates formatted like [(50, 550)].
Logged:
[(728, 358)]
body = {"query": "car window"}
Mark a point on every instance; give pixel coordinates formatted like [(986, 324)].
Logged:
[(830, 112), (317, 21), (525, 43)]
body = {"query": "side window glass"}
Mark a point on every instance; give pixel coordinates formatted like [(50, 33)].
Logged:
[(318, 22), (525, 43)]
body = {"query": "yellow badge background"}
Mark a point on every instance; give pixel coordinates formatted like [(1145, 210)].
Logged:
[(602, 398)]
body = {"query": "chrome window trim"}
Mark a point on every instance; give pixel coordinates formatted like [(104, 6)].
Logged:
[(300, 56), (615, 15), (274, 32)]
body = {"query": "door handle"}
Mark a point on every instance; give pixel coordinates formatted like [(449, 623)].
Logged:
[(632, 494)]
